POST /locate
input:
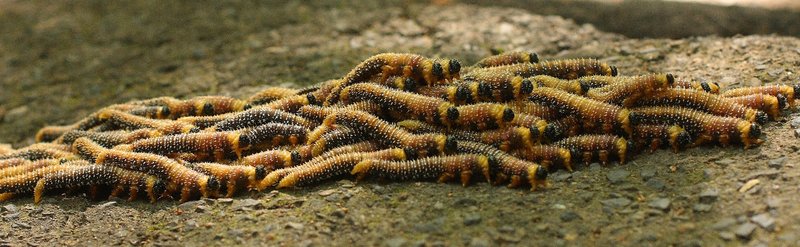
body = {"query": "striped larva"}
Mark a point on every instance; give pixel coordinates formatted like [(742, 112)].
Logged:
[(204, 122), (179, 176), (85, 174), (547, 155), (673, 136), (428, 109), (157, 112), (21, 166), (318, 113), (324, 168), (535, 124), (133, 122), (260, 116), (609, 117), (272, 159), (304, 152), (108, 139), (319, 96), (483, 116), (271, 94), (508, 58), (507, 166), (562, 128), (289, 104), (505, 138), (443, 168), (563, 69), (41, 151), (626, 89), (570, 86), (336, 138), (702, 101), (712, 88), (533, 109), (601, 146), (386, 65), (788, 91), (12, 162), (222, 143), (772, 105), (232, 178), (389, 134), (704, 127)]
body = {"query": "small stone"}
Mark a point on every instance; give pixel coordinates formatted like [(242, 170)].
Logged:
[(190, 225), (773, 203), (701, 208), (10, 208), (795, 123), (616, 202), (749, 185), (105, 205), (569, 216), (708, 173), (725, 162), (479, 242), (797, 133), (745, 230), (295, 225), (586, 196), (777, 163), (438, 206), (191, 205), (395, 242), (325, 193), (225, 200), (765, 221), (708, 196), (617, 176), (595, 166), (723, 223), (245, 204), (727, 236), (660, 203), (562, 176), (656, 183), (559, 206), (235, 233), (472, 219), (647, 173), (333, 198)]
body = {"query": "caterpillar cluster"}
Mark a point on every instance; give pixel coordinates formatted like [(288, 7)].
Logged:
[(511, 119)]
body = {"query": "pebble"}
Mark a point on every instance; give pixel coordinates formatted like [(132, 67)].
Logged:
[(295, 225), (245, 204), (656, 183), (327, 192), (795, 123), (617, 176), (107, 204), (708, 196), (225, 200), (562, 176), (10, 208), (472, 219), (595, 166), (773, 203), (727, 236), (723, 223), (777, 163), (586, 196), (647, 173), (725, 162), (749, 185), (701, 207), (765, 221), (660, 203), (191, 205), (708, 173), (235, 233), (569, 216), (479, 242), (745, 230), (190, 224), (616, 202), (797, 133), (395, 242)]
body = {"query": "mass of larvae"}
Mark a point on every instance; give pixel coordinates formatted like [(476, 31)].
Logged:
[(510, 119)]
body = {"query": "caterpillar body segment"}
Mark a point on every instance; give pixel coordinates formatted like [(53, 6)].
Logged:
[(505, 139), (289, 104), (506, 167), (656, 136), (316, 170), (604, 147), (40, 151), (261, 116), (85, 174), (769, 104), (187, 180), (270, 94), (703, 101), (712, 88), (624, 90), (428, 109), (535, 125), (132, 122), (204, 122), (272, 159), (508, 58), (483, 116), (443, 168), (610, 118), (21, 166), (702, 126), (564, 69), (791, 92), (232, 178), (321, 94), (318, 113), (109, 139), (336, 138), (547, 155), (562, 128), (571, 86), (12, 162), (389, 134)]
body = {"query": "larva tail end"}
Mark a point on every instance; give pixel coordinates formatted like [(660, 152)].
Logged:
[(614, 71), (755, 131), (533, 57), (705, 86), (361, 169), (761, 117), (288, 181), (782, 101), (670, 79), (796, 89), (260, 172), (450, 144), (38, 191)]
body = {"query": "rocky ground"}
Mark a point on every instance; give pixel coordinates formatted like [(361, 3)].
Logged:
[(61, 61)]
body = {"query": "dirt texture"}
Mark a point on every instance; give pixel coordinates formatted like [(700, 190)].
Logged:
[(61, 61)]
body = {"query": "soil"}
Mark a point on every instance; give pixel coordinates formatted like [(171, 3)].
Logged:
[(63, 60)]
